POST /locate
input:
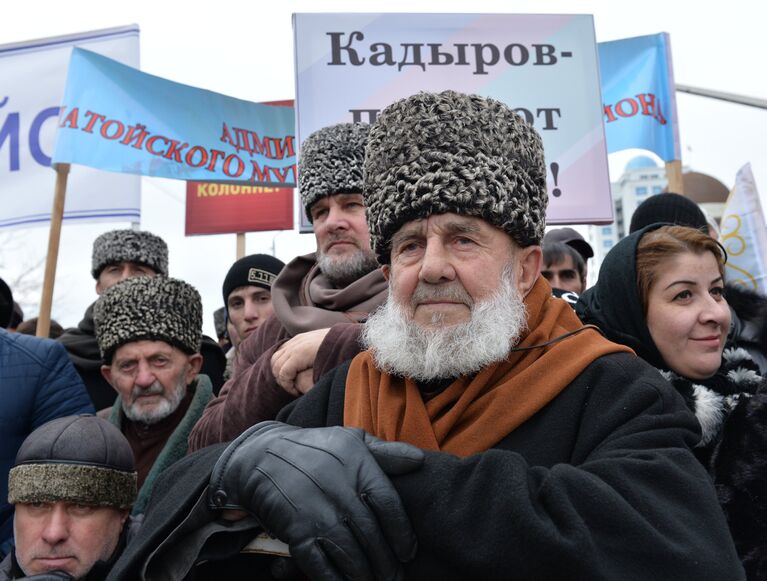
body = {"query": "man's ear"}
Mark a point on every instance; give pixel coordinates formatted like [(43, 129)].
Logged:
[(99, 290), (386, 270), (530, 260), (195, 364), (106, 372)]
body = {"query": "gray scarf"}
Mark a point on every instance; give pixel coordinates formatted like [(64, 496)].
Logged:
[(305, 300)]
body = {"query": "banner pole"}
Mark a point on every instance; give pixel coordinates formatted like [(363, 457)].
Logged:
[(57, 215), (240, 245), (674, 176)]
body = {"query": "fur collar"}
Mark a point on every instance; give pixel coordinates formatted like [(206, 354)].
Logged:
[(739, 467), (712, 399), (176, 446)]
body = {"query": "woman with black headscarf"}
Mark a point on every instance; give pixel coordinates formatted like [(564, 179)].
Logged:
[(661, 292)]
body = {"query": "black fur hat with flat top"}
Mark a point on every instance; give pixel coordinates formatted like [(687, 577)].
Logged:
[(438, 153)]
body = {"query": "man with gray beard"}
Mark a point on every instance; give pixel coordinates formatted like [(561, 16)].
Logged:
[(406, 348), (319, 300), (485, 433), (149, 332)]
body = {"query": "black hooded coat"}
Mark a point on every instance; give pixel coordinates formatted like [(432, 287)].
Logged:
[(731, 406)]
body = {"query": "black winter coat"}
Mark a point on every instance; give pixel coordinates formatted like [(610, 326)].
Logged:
[(599, 484), (749, 322)]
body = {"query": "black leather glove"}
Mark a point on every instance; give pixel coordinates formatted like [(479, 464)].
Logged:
[(323, 491)]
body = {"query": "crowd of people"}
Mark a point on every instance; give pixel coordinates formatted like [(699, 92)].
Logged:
[(435, 392)]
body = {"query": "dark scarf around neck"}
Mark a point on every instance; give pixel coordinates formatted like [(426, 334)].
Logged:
[(305, 300)]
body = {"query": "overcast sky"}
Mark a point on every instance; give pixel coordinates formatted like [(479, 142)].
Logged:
[(246, 50)]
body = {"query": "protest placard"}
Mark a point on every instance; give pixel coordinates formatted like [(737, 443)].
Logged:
[(222, 208), (350, 66), (34, 74)]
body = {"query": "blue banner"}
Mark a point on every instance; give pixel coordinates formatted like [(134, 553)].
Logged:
[(116, 118), (638, 93)]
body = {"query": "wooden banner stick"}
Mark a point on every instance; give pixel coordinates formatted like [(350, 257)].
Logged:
[(674, 176), (57, 215), (240, 245)]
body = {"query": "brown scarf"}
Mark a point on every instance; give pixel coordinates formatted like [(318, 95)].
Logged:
[(475, 413), (304, 299)]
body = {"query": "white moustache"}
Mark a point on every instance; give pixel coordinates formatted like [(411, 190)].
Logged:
[(453, 292), (154, 389)]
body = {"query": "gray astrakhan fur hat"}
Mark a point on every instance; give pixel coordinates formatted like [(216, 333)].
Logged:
[(129, 246), (151, 308), (330, 162), (81, 459), (434, 153)]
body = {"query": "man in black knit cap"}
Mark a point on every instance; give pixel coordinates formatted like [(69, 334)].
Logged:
[(247, 291)]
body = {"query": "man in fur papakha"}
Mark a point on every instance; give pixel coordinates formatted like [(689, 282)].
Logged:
[(485, 433), (149, 332), (318, 299)]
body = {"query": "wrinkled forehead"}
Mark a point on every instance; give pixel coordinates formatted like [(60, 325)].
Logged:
[(131, 264), (338, 197), (146, 349), (447, 224)]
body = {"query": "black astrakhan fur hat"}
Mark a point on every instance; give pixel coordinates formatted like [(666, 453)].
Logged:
[(436, 153), (330, 162)]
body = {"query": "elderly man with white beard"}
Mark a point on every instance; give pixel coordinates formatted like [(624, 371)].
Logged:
[(149, 332), (484, 433)]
